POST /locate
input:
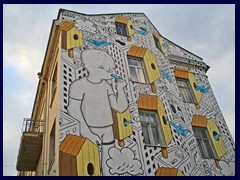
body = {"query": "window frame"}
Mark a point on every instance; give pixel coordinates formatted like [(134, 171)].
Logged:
[(136, 69), (149, 126), (212, 154), (193, 98), (123, 26)]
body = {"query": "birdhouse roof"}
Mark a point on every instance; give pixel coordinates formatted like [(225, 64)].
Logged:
[(67, 25), (121, 19), (137, 51), (166, 172), (200, 121), (72, 144)]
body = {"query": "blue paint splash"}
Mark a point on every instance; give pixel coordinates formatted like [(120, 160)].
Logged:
[(116, 77), (166, 76), (127, 122), (202, 88), (179, 128), (142, 31), (98, 43), (217, 136)]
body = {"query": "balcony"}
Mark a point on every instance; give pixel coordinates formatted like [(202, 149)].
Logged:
[(30, 145)]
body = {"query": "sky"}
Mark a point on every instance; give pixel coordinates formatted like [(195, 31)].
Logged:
[(205, 30)]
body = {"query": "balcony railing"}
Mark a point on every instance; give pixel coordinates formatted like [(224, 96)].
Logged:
[(30, 145)]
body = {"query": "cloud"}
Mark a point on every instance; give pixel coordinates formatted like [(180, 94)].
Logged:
[(123, 161), (85, 26), (227, 169)]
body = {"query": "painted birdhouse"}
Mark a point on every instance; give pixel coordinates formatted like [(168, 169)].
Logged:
[(153, 103), (210, 127), (126, 25), (159, 43), (168, 172), (71, 37), (185, 74), (78, 157), (122, 126), (149, 60)]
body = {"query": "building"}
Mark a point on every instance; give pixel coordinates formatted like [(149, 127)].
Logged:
[(115, 97)]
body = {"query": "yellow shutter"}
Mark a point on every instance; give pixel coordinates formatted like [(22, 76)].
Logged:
[(164, 124), (130, 28), (151, 66), (120, 130), (197, 93), (219, 146)]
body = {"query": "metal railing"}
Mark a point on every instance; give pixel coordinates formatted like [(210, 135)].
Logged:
[(32, 125)]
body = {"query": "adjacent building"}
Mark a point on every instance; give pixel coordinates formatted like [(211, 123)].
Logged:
[(115, 97)]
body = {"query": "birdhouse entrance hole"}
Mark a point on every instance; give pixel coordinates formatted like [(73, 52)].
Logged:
[(75, 36), (125, 122), (90, 169), (164, 120), (153, 66)]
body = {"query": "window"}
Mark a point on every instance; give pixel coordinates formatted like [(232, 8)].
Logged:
[(54, 82), (121, 29), (137, 71), (150, 128), (203, 143), (52, 145), (185, 90)]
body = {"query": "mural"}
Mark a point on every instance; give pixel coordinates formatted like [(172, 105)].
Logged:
[(121, 108)]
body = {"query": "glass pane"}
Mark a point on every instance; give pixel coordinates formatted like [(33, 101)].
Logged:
[(141, 76), (145, 135), (135, 62), (206, 149), (140, 63), (130, 61), (200, 133), (200, 145), (153, 115), (156, 136), (187, 95), (124, 31), (182, 83), (118, 30), (133, 74), (142, 117)]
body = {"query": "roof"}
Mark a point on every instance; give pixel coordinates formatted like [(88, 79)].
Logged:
[(72, 144), (149, 102), (121, 19), (199, 121), (137, 51), (181, 73), (166, 172), (66, 25)]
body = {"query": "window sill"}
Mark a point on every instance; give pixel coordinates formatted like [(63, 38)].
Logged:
[(139, 82)]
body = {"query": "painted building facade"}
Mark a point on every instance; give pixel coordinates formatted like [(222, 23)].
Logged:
[(117, 98)]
